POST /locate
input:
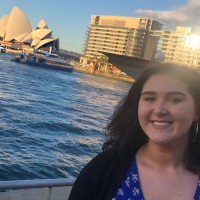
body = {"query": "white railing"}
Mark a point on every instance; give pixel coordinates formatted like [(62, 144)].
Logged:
[(40, 183)]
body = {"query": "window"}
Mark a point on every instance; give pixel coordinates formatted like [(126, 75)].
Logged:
[(31, 58), (58, 63), (52, 56), (41, 60)]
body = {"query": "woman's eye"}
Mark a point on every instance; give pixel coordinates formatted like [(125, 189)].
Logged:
[(175, 100), (149, 99)]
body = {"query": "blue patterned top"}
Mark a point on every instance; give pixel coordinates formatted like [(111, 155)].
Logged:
[(130, 186)]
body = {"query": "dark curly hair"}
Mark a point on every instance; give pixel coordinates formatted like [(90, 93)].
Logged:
[(120, 130)]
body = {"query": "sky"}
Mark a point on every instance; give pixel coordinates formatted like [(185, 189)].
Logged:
[(68, 20)]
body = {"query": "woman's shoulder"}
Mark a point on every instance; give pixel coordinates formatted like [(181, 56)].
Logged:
[(97, 174)]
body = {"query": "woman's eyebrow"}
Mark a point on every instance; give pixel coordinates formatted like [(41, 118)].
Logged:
[(176, 93), (168, 93), (148, 92)]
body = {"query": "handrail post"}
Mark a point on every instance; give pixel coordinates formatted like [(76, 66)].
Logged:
[(47, 195)]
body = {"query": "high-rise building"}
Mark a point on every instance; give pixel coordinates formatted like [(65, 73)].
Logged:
[(121, 35), (180, 46)]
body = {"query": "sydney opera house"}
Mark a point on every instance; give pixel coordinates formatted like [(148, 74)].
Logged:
[(16, 32)]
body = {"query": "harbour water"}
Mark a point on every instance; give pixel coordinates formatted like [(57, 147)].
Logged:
[(51, 121)]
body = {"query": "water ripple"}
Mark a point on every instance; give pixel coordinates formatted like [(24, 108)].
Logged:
[(51, 121)]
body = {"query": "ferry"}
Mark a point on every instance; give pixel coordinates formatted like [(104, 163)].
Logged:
[(2, 49), (44, 59)]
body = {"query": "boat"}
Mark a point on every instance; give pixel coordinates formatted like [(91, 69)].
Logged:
[(44, 59), (2, 49)]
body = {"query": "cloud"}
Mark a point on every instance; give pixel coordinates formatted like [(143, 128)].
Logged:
[(128, 8), (185, 15)]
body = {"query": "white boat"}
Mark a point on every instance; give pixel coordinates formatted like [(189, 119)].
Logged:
[(44, 59), (54, 61), (2, 49)]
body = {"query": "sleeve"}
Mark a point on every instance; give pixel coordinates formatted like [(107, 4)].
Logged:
[(90, 181), (83, 188)]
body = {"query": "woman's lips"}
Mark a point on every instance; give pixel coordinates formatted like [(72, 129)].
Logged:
[(160, 125)]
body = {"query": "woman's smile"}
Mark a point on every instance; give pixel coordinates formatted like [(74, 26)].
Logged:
[(161, 124)]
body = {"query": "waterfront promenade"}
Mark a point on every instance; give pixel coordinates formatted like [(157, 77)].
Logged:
[(86, 68)]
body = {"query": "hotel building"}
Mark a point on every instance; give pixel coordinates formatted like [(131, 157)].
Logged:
[(128, 36), (179, 46)]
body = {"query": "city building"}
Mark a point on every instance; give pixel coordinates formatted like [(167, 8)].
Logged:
[(128, 36), (16, 32), (179, 46)]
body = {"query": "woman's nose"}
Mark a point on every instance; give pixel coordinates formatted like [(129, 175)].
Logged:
[(160, 109)]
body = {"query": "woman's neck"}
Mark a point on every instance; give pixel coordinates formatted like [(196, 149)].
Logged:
[(163, 157)]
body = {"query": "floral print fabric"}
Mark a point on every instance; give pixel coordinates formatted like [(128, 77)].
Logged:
[(130, 186)]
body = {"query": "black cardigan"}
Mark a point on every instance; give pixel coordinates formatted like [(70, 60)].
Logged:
[(101, 177)]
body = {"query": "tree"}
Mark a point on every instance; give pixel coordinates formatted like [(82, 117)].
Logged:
[(94, 58), (103, 60)]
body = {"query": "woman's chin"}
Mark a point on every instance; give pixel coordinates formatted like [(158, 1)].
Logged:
[(160, 141)]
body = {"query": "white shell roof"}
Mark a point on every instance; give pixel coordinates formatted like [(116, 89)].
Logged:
[(35, 41), (4, 21), (42, 24), (45, 41), (22, 36), (3, 31), (28, 38), (3, 24), (41, 33), (17, 24)]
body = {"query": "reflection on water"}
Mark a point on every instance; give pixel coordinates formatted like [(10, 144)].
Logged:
[(99, 82), (51, 121)]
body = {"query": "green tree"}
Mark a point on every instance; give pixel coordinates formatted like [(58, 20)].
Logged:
[(94, 58), (103, 61)]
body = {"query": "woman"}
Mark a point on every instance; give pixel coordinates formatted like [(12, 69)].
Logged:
[(153, 150)]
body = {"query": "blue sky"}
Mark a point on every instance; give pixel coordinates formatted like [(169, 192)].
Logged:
[(68, 19)]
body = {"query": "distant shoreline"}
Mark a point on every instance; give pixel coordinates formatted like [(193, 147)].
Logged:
[(79, 67)]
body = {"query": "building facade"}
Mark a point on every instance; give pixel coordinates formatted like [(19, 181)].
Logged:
[(128, 36), (180, 46), (15, 30)]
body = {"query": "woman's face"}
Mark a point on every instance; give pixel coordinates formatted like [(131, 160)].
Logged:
[(166, 109)]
